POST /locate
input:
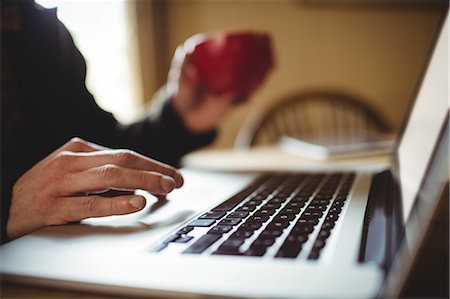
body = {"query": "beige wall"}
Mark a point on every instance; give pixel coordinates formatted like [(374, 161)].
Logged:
[(369, 50)]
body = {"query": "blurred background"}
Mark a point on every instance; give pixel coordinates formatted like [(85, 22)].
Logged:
[(372, 49)]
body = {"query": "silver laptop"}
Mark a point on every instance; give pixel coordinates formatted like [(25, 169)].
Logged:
[(279, 235)]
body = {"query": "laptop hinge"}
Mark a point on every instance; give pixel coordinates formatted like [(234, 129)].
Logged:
[(375, 242)]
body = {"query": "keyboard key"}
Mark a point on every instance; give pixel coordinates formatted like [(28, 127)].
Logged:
[(299, 239), (335, 211), (295, 205), (230, 221), (256, 251), (312, 222), (278, 225), (289, 250), (305, 193), (203, 243), (246, 209), (271, 233), (183, 239), (227, 251), (338, 205), (331, 217), (258, 199), (300, 199), (239, 234), (264, 212), (314, 255), (328, 225), (257, 219), (171, 238), (312, 215), (319, 244), (273, 205), (232, 243), (185, 230), (253, 202), (321, 201), (302, 230), (202, 222), (277, 200), (230, 247), (227, 206), (340, 199), (316, 207), (252, 226), (284, 217), (213, 215), (219, 230), (287, 210), (264, 242), (323, 196), (323, 234), (238, 215)]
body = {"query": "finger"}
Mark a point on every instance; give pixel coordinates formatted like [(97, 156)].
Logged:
[(78, 208), (80, 145), (189, 72), (76, 145), (176, 64), (118, 178), (126, 159)]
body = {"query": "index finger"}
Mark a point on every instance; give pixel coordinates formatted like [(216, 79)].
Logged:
[(124, 158)]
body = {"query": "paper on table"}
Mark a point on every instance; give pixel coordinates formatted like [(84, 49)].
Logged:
[(332, 148)]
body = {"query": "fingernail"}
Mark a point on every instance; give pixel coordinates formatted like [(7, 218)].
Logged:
[(167, 184), (180, 181), (137, 202)]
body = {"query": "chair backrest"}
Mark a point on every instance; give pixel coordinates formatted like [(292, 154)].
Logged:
[(312, 115)]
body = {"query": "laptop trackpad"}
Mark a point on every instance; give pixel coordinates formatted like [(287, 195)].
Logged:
[(202, 190)]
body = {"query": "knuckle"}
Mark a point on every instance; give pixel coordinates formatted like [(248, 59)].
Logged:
[(109, 171), (124, 157), (165, 168), (117, 207), (62, 159), (173, 171), (77, 142), (89, 206), (77, 139), (148, 181)]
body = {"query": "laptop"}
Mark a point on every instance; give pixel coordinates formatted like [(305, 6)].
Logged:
[(271, 235)]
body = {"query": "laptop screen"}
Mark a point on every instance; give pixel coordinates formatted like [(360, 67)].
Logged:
[(423, 128)]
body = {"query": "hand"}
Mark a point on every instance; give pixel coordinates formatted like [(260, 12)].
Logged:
[(65, 186), (200, 109)]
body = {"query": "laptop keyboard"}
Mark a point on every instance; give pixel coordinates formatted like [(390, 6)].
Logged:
[(279, 215)]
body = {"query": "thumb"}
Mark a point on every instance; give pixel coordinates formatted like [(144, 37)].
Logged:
[(78, 208)]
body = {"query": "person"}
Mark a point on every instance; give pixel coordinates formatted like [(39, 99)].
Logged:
[(51, 171)]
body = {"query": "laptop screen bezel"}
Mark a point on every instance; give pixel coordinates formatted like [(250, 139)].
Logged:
[(397, 234), (395, 160)]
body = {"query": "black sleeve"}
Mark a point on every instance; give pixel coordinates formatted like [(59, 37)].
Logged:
[(161, 134)]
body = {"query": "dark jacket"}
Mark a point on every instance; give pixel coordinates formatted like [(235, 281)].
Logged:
[(44, 102)]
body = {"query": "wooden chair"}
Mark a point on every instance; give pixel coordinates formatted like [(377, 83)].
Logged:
[(312, 115)]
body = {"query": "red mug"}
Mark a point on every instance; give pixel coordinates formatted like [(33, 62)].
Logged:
[(232, 62)]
